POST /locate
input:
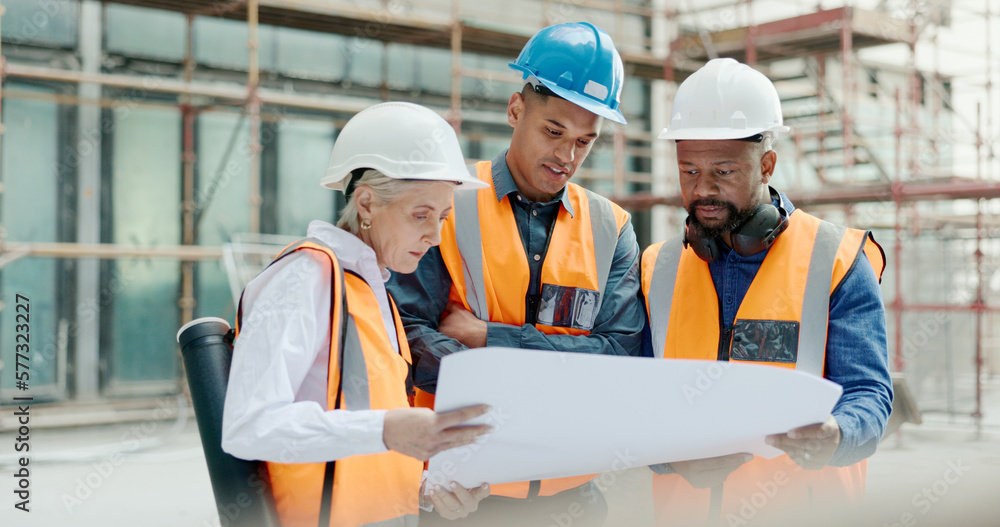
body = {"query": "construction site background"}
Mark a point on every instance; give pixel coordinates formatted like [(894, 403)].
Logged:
[(154, 153)]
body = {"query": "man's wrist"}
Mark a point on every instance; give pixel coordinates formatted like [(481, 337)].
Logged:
[(502, 335)]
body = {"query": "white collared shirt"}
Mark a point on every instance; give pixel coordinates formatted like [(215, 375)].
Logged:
[(276, 402)]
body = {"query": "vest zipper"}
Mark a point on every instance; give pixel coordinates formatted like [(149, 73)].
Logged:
[(725, 340), (725, 337)]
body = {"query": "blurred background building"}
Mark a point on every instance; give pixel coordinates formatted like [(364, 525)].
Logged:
[(141, 137)]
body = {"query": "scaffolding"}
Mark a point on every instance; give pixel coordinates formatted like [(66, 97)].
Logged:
[(872, 178)]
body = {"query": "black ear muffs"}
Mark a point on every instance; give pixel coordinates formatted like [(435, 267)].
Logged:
[(759, 231), (753, 236), (708, 249)]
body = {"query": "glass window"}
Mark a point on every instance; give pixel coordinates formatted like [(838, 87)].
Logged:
[(223, 43), (364, 61), (51, 22), (28, 213), (137, 31), (635, 99), (309, 54), (222, 199), (303, 154), (434, 70), (402, 66), (145, 211)]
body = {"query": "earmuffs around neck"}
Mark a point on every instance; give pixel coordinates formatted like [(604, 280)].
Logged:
[(751, 237)]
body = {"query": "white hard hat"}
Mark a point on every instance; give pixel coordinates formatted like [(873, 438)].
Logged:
[(401, 140), (725, 100)]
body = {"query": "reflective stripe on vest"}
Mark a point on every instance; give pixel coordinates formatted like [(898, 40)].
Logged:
[(788, 287), (561, 267), (482, 249), (370, 490), (803, 268)]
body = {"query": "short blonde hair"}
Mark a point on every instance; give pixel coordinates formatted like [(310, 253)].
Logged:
[(386, 191)]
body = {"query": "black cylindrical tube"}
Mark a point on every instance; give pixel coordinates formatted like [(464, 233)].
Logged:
[(242, 493)]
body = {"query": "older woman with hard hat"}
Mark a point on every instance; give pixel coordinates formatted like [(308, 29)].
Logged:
[(318, 384)]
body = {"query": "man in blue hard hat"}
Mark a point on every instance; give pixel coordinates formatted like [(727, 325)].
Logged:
[(535, 261)]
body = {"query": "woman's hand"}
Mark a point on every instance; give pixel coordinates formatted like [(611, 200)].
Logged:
[(420, 432), (458, 502)]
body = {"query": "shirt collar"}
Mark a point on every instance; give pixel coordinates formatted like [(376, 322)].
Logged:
[(783, 200), (503, 183), (355, 254)]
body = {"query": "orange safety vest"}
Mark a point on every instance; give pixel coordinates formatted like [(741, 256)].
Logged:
[(791, 290), (490, 275), (374, 489)]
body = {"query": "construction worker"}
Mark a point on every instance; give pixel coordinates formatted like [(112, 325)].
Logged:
[(320, 365), (755, 280), (535, 261)]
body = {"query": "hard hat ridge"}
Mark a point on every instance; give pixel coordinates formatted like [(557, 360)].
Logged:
[(578, 62), (725, 100), (401, 140)]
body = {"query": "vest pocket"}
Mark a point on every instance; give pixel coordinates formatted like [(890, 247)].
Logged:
[(568, 307), (765, 341)]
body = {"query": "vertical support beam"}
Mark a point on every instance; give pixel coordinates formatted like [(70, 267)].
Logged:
[(455, 112), (980, 303), (990, 148), (821, 116), (847, 113), (897, 261), (3, 70), (253, 74), (915, 82), (619, 161), (88, 277), (253, 112), (751, 36), (937, 93), (619, 23), (663, 163), (618, 173), (187, 301)]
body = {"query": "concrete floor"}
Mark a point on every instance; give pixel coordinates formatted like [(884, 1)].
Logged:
[(152, 473)]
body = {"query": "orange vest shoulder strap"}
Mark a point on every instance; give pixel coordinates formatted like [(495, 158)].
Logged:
[(461, 246), (337, 275), (660, 264), (855, 243), (607, 220)]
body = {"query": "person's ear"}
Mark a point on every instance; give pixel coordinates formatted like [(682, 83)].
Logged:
[(767, 164), (515, 109), (364, 201)]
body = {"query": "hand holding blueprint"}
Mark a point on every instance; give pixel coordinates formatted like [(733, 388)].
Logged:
[(558, 414)]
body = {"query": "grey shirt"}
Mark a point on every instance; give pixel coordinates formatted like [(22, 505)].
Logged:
[(423, 295)]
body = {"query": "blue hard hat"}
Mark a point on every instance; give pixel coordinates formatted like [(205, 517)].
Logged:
[(578, 62)]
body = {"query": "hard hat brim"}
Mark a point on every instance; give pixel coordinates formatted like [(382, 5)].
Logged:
[(718, 134), (591, 105), (336, 180)]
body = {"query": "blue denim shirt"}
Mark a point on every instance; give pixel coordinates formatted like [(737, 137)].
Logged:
[(857, 355), (422, 296)]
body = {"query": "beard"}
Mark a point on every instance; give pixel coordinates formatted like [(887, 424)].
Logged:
[(734, 217)]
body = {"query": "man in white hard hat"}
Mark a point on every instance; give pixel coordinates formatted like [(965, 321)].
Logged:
[(753, 279), (535, 261)]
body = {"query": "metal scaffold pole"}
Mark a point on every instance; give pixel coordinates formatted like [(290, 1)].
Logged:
[(188, 207), (455, 112), (253, 111), (847, 73), (897, 266), (979, 304)]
